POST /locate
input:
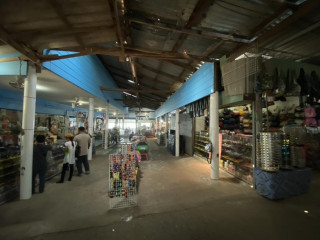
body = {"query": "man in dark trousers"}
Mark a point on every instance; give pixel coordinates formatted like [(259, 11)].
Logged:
[(39, 166), (83, 140)]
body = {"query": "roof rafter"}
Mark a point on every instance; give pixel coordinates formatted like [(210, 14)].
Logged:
[(174, 78), (302, 11)]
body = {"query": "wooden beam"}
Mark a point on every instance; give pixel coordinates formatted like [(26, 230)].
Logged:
[(126, 84), (302, 11), (24, 50), (174, 78), (58, 9), (258, 29), (133, 90), (199, 12), (59, 31), (82, 52), (13, 59), (165, 54), (212, 48), (148, 79), (113, 4), (196, 33), (182, 65), (132, 52)]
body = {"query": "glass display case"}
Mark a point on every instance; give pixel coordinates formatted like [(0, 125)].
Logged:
[(236, 157)]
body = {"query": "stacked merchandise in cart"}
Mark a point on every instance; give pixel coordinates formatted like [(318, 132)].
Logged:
[(123, 180), (126, 148)]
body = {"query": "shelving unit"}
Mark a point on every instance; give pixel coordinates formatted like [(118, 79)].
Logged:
[(160, 138), (200, 141), (236, 156), (54, 159), (123, 170), (9, 172)]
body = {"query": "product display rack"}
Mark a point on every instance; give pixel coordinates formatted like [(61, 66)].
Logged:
[(123, 170), (10, 128), (126, 147), (9, 173), (236, 156), (201, 139), (161, 138), (54, 159)]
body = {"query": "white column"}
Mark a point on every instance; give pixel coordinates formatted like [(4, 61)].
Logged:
[(117, 120), (66, 124), (136, 126), (90, 125), (106, 130), (123, 122), (29, 107), (214, 134), (177, 133), (157, 121), (166, 130)]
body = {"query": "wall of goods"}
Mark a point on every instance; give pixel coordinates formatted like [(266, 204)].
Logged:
[(10, 135), (201, 137), (10, 128), (290, 102), (287, 122), (236, 146), (123, 177)]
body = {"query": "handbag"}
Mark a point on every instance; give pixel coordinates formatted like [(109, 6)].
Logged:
[(310, 112), (77, 151)]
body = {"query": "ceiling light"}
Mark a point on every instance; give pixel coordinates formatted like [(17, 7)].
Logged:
[(100, 109), (202, 62), (43, 88), (185, 52), (305, 211), (158, 19), (114, 114), (130, 81)]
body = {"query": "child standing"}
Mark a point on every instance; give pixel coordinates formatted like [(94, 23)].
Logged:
[(69, 157)]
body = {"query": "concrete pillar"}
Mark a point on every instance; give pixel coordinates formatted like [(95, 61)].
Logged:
[(117, 120), (66, 124), (90, 125), (137, 126), (157, 124), (106, 130), (177, 133), (28, 116), (166, 130), (214, 133), (123, 122)]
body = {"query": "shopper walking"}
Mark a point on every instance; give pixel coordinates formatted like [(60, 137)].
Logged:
[(69, 157), (39, 166), (83, 140)]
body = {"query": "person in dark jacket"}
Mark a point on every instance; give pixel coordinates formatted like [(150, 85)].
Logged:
[(39, 166)]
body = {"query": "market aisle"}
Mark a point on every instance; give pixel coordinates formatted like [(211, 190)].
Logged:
[(177, 200)]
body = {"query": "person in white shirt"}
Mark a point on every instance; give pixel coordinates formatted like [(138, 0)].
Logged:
[(69, 157)]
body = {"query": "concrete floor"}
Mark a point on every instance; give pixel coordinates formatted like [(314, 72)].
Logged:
[(176, 200)]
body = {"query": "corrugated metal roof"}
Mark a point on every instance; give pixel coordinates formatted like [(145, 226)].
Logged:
[(169, 38)]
